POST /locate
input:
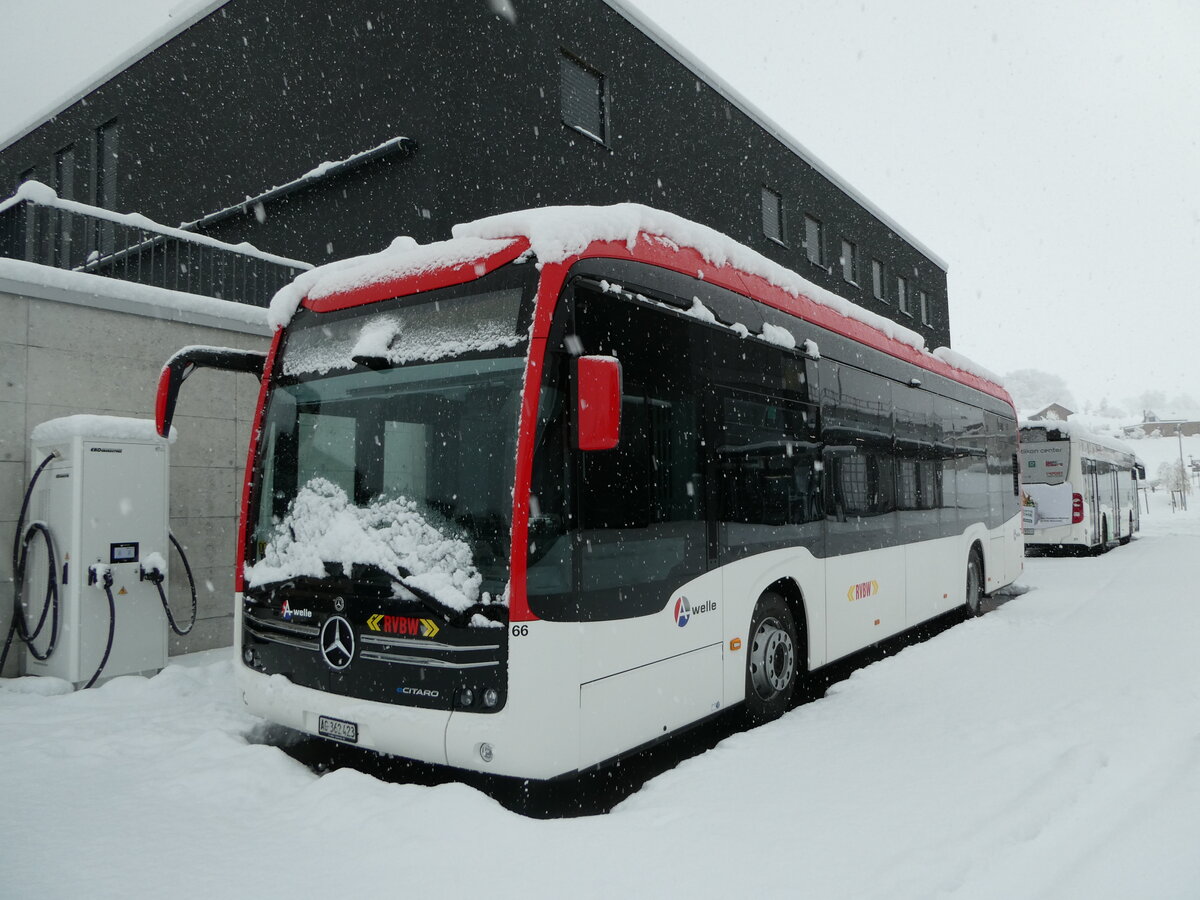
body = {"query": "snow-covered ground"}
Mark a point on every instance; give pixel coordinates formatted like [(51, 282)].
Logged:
[(1049, 749)]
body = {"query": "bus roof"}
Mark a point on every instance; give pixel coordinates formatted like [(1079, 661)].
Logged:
[(559, 234), (1079, 432)]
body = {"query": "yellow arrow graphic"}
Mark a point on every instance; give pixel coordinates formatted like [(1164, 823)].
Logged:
[(373, 621), (853, 594), (429, 628)]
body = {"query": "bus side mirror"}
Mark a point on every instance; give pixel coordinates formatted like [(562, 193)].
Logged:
[(597, 402), (185, 362)]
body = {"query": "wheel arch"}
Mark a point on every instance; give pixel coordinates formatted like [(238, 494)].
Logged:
[(789, 590), (976, 549)]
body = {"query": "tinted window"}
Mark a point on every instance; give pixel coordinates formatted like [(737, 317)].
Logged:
[(634, 529)]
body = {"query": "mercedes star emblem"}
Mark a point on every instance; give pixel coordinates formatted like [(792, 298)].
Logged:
[(337, 642)]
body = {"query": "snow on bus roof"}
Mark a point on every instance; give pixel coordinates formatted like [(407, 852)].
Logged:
[(1079, 432), (403, 258), (556, 233)]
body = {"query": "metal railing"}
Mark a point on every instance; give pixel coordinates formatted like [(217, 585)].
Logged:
[(39, 227)]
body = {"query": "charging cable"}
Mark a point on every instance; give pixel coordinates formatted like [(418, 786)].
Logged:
[(19, 626), (153, 572)]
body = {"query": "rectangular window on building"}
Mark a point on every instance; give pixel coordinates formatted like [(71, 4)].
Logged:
[(902, 295), (923, 301), (582, 98), (878, 283), (813, 241), (849, 261), (772, 214)]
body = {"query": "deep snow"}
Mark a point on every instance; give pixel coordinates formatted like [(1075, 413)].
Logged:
[(1049, 749)]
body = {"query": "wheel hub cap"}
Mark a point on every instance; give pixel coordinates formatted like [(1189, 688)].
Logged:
[(772, 659)]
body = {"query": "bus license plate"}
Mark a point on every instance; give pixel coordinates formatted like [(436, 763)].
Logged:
[(337, 729)]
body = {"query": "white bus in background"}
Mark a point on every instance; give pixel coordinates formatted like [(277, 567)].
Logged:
[(1078, 489)]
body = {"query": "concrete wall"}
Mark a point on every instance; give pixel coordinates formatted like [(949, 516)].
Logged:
[(98, 351)]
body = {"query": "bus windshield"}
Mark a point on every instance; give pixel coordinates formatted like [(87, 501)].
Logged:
[(1045, 455), (402, 467)]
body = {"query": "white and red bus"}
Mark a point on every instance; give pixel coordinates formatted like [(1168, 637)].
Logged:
[(529, 499), (1080, 490)]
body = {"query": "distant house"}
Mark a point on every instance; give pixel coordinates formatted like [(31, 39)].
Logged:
[(1154, 424), (1055, 412)]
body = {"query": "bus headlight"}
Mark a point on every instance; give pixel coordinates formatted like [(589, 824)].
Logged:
[(490, 698)]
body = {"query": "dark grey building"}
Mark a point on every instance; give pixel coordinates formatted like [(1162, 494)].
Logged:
[(499, 106)]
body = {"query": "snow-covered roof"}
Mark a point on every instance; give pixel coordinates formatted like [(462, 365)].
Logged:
[(556, 233), (182, 19), (623, 7), (1080, 432), (760, 118)]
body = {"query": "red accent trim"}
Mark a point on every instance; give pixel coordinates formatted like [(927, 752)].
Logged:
[(239, 578), (422, 281), (651, 249), (160, 401), (549, 286), (598, 395)]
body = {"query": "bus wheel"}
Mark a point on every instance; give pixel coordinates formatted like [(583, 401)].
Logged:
[(974, 602), (771, 660)]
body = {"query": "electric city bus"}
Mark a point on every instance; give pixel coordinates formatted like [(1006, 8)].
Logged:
[(530, 499), (1080, 490)]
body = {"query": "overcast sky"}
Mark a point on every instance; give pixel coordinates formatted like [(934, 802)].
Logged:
[(1049, 152)]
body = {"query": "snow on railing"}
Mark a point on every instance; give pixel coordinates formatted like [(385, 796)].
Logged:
[(36, 225)]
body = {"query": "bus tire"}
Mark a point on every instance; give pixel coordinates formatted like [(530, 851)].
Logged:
[(771, 659), (974, 601)]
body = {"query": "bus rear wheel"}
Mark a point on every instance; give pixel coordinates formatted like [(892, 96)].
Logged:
[(974, 601), (771, 660)]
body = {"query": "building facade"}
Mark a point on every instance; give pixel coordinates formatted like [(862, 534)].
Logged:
[(439, 112)]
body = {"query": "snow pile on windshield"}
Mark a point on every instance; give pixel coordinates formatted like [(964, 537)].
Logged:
[(323, 525), (402, 259)]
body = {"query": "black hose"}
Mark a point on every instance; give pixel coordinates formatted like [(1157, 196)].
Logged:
[(112, 628), (19, 626), (191, 583)]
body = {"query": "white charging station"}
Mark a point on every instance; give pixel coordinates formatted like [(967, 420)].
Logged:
[(105, 502)]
